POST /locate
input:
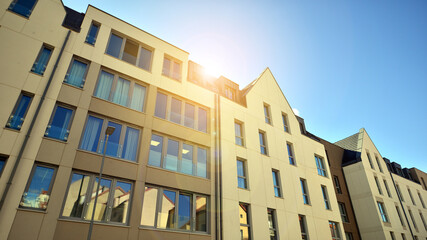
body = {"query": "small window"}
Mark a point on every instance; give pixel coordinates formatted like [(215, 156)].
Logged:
[(410, 195), (241, 174), (386, 188), (303, 227), (76, 73), (271, 213), (335, 231), (276, 183), (383, 212), (399, 193), (22, 7), (245, 225), (42, 59), (291, 156), (349, 235), (16, 119), (343, 212), (325, 197), (380, 191), (320, 163), (412, 219), (370, 161), (285, 122), (2, 163), (93, 33), (422, 220), (392, 236), (171, 68), (39, 186), (60, 123), (238, 130), (304, 190), (262, 143), (421, 200), (378, 163), (403, 236), (230, 93), (337, 185), (267, 114), (400, 216)]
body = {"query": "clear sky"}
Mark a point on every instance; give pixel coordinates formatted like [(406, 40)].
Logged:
[(343, 65)]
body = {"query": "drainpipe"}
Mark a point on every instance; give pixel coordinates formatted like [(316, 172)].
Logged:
[(33, 121), (218, 167)]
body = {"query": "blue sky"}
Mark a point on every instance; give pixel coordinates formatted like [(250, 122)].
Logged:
[(344, 65)]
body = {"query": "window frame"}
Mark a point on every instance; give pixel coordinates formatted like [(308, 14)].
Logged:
[(378, 163), (70, 122), (4, 160), (30, 11), (245, 174), (422, 219), (267, 114), (326, 197), (410, 196), (263, 145), (393, 237), (241, 132), (421, 199), (337, 233), (173, 61), (36, 62), (337, 185), (15, 108), (413, 220), (303, 224), (248, 219), (400, 215), (370, 160), (383, 212), (380, 191), (78, 59), (276, 176), (305, 192), (399, 193), (343, 212), (272, 226), (291, 153), (93, 23), (285, 121), (387, 189), (321, 167)]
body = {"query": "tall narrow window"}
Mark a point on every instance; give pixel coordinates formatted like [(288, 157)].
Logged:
[(42, 59), (267, 114), (343, 212), (115, 45), (422, 220), (369, 159), (392, 236), (175, 113), (92, 34), (189, 115), (403, 236), (22, 7), (383, 212), (303, 227), (378, 163), (325, 197), (349, 235), (410, 195), (386, 188), (187, 159), (202, 161), (201, 213), (76, 73), (321, 169), (149, 206), (202, 121), (16, 119), (400, 216), (238, 131), (245, 226), (337, 185), (380, 191), (271, 213), (161, 102), (130, 52), (38, 189), (399, 193), (304, 190), (276, 183), (412, 219), (145, 58), (2, 163), (285, 122), (290, 153), (241, 174), (60, 122), (262, 143), (335, 231), (171, 68), (138, 98), (421, 200), (171, 159)]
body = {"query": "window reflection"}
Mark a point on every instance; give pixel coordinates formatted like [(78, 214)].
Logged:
[(76, 196), (101, 204), (38, 190), (167, 212)]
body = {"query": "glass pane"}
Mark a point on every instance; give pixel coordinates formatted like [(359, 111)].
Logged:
[(240, 168), (113, 143), (189, 115), (138, 97), (130, 52), (144, 59), (130, 146), (302, 224), (171, 160), (22, 7), (167, 213), (201, 162), (91, 134), (201, 214), (176, 111), (101, 204), (114, 46), (166, 67), (176, 70), (40, 65), (91, 35), (37, 194), (161, 105), (243, 211), (105, 82), (244, 233), (2, 163), (121, 92), (59, 127), (149, 206), (120, 208), (187, 159), (274, 178), (76, 196), (202, 123), (156, 147), (241, 182), (76, 74), (17, 117), (184, 212)]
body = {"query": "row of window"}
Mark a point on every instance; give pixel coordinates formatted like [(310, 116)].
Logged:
[(399, 194), (385, 218), (268, 119), (376, 159)]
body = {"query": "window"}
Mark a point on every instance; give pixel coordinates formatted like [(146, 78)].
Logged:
[(22, 7), (59, 124), (241, 174), (39, 187), (171, 68), (129, 51), (321, 170), (267, 113), (123, 143), (76, 73), (290, 153), (403, 236), (383, 212), (19, 112), (116, 89), (337, 185), (245, 226), (304, 190), (335, 231), (370, 161), (262, 143), (400, 216), (238, 130), (93, 33), (325, 197), (161, 103), (113, 202), (178, 156), (380, 191), (399, 193), (42, 59), (410, 195), (349, 235), (386, 188), (422, 220), (392, 236), (230, 93), (421, 200), (378, 163), (174, 209), (2, 163), (272, 223), (343, 212), (276, 183), (285, 122), (303, 227), (412, 219)]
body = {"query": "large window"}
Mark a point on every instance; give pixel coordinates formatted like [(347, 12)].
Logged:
[(238, 131), (337, 185), (291, 156), (343, 212), (303, 227), (271, 213), (39, 186), (172, 68), (23, 7), (285, 122), (369, 159), (60, 123), (276, 183), (245, 225), (116, 89), (77, 73), (325, 197), (321, 168), (174, 209), (93, 33), (16, 119), (383, 212), (335, 230), (178, 156), (113, 202), (304, 190), (129, 51), (123, 143), (241, 174), (262, 143), (267, 114), (380, 191), (42, 59)]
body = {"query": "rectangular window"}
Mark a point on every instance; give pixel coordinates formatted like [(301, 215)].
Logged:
[(17, 117), (173, 209), (2, 163), (291, 156), (116, 89), (380, 191), (386, 188), (276, 183), (399, 193), (42, 59), (22, 7), (412, 219), (245, 225), (175, 113), (400, 216), (422, 220), (189, 115), (238, 131), (383, 212), (325, 197), (177, 156), (335, 231), (60, 123), (241, 174), (320, 163), (392, 236), (171, 68), (370, 161), (39, 186), (303, 227), (230, 93), (343, 212), (337, 185), (349, 235), (403, 236), (93, 33), (378, 163), (304, 190), (161, 103), (421, 200), (271, 213), (113, 202), (262, 143), (123, 143), (202, 120), (285, 122), (267, 114), (76, 73), (410, 195)]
